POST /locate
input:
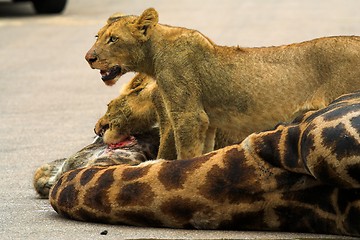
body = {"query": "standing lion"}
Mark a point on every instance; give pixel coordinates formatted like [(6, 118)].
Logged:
[(205, 86)]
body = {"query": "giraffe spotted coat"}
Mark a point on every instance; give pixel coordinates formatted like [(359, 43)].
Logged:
[(302, 177)]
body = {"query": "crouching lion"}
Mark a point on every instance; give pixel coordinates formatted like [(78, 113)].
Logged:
[(137, 110), (205, 86)]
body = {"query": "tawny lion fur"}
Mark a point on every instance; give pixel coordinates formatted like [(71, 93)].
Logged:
[(132, 112), (205, 86), (137, 110)]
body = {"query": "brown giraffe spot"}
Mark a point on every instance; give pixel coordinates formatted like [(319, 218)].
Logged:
[(299, 119), (140, 218), (72, 174), (136, 194), (231, 183), (291, 156), (267, 148), (244, 221), (66, 214), (96, 197), (355, 123), (347, 97), (352, 221), (354, 172), (332, 107), (55, 188), (85, 215), (292, 219), (133, 173), (285, 179), (307, 144), (317, 196), (174, 173), (347, 197), (68, 197), (341, 112), (340, 141), (181, 208), (327, 174), (88, 174), (90, 216)]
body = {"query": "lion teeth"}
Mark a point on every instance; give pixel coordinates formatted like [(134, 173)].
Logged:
[(104, 72)]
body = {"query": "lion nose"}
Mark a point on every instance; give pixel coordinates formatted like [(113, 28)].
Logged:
[(92, 60), (101, 129), (90, 57)]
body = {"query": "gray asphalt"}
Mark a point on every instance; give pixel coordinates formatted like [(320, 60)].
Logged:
[(50, 99)]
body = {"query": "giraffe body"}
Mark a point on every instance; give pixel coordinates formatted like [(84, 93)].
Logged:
[(302, 177)]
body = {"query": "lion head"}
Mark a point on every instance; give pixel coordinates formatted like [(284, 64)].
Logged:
[(131, 113), (121, 45)]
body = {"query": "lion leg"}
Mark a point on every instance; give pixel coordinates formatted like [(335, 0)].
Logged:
[(184, 109), (315, 102), (210, 140), (190, 129), (167, 148)]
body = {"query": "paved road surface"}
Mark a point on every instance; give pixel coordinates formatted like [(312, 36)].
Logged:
[(50, 99)]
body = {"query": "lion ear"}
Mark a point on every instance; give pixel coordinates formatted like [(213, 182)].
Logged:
[(146, 22), (114, 17)]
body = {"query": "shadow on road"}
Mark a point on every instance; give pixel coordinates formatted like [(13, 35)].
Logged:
[(9, 9)]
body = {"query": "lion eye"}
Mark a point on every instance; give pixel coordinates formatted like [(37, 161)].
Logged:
[(113, 39), (96, 36), (137, 91)]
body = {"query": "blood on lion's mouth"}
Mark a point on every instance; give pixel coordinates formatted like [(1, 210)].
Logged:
[(110, 74), (126, 142)]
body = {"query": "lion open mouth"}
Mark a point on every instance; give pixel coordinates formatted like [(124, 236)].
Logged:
[(110, 74)]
